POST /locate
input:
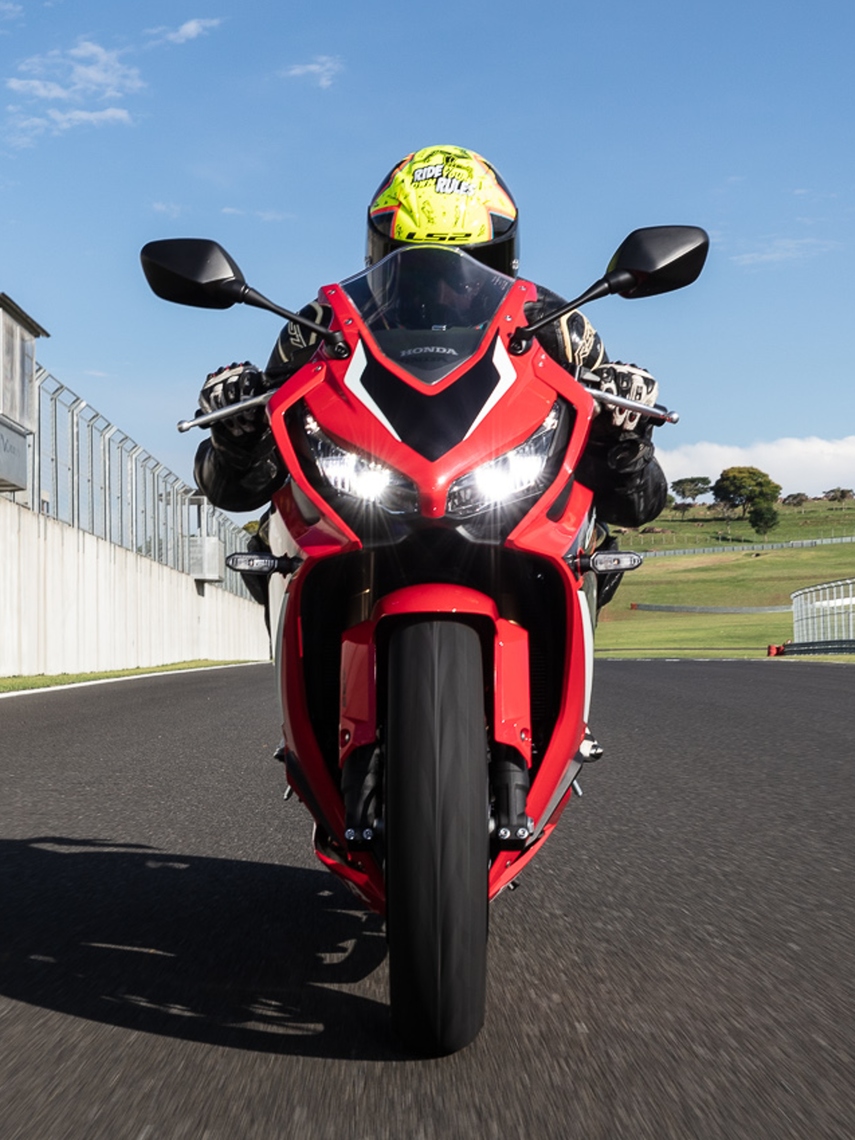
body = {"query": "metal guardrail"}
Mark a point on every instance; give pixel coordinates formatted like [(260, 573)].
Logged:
[(815, 648), (825, 613), (747, 547), (710, 609), (88, 473)]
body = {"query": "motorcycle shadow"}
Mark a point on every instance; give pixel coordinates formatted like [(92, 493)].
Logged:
[(244, 955)]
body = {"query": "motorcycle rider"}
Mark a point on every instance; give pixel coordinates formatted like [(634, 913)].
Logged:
[(452, 196)]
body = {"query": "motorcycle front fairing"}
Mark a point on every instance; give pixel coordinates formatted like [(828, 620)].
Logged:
[(432, 472)]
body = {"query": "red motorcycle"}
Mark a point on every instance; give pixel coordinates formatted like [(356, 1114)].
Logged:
[(433, 568)]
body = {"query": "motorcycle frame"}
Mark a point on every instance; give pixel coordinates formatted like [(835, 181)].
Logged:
[(556, 528)]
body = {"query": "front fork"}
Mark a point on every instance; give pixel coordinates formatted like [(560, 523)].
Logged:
[(508, 710)]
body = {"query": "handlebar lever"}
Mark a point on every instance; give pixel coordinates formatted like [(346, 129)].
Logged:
[(203, 421), (657, 412)]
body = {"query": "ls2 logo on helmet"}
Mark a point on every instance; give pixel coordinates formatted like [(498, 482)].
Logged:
[(452, 239)]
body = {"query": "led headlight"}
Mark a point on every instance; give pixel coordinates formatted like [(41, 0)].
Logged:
[(517, 475), (358, 476)]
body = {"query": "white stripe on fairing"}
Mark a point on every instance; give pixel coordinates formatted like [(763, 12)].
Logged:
[(507, 376), (588, 635), (353, 382)]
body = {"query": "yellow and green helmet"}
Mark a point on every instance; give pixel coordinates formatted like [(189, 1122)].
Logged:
[(445, 195)]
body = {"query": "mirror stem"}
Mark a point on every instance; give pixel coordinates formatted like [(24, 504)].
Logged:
[(617, 281), (246, 295)]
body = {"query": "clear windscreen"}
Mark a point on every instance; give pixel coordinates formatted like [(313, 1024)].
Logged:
[(428, 307)]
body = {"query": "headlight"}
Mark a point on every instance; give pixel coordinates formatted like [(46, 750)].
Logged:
[(358, 476), (517, 475)]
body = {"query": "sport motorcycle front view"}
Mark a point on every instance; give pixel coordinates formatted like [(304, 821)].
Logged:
[(433, 577)]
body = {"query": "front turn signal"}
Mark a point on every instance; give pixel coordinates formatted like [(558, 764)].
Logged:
[(610, 561)]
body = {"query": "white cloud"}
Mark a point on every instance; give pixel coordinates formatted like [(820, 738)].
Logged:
[(322, 69), (38, 88), (262, 215), (10, 11), (63, 120), (786, 249), (96, 71), (811, 464), (84, 71), (190, 30), (170, 209), (23, 129), (87, 75)]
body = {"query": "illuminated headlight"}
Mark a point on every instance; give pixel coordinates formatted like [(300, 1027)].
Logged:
[(519, 474), (358, 476)]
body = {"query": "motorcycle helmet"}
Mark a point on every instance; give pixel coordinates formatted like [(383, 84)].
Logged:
[(445, 195)]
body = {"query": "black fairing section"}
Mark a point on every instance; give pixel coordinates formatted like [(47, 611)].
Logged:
[(431, 424)]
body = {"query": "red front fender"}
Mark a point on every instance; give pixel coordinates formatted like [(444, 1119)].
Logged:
[(511, 712)]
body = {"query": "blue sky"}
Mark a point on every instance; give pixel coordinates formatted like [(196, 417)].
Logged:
[(268, 127)]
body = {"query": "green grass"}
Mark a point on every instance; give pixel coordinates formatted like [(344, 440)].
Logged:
[(702, 526), (42, 681), (733, 579)]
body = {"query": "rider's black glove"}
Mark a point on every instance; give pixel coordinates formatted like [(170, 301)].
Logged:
[(630, 454), (240, 434), (631, 382)]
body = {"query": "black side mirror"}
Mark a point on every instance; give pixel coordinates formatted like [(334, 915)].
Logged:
[(658, 259), (192, 271)]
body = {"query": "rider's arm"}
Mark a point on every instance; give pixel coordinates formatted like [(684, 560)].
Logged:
[(571, 340), (233, 486), (296, 345), (239, 468), (619, 465)]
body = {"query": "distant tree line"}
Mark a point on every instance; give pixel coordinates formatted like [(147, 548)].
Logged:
[(748, 490)]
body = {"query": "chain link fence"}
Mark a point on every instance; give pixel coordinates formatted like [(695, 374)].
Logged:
[(825, 612), (86, 472)]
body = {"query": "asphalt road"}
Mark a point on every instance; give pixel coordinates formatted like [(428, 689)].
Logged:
[(677, 963)]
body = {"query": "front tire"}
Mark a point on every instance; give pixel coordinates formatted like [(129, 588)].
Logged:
[(437, 833)]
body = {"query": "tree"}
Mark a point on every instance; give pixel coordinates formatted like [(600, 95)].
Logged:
[(797, 499), (691, 488), (763, 517), (744, 487), (838, 494)]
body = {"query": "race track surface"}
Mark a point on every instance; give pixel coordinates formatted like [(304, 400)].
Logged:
[(677, 963)]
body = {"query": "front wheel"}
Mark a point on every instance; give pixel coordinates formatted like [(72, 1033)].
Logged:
[(437, 833)]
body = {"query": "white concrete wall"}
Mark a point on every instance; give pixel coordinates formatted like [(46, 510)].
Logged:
[(73, 603)]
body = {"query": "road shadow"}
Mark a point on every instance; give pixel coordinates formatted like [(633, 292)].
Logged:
[(244, 955)]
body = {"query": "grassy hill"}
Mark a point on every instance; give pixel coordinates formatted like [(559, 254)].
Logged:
[(709, 526), (733, 578)]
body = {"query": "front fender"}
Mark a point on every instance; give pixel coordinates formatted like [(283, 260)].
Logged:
[(508, 682)]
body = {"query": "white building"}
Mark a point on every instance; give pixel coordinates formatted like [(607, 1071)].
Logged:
[(18, 397)]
